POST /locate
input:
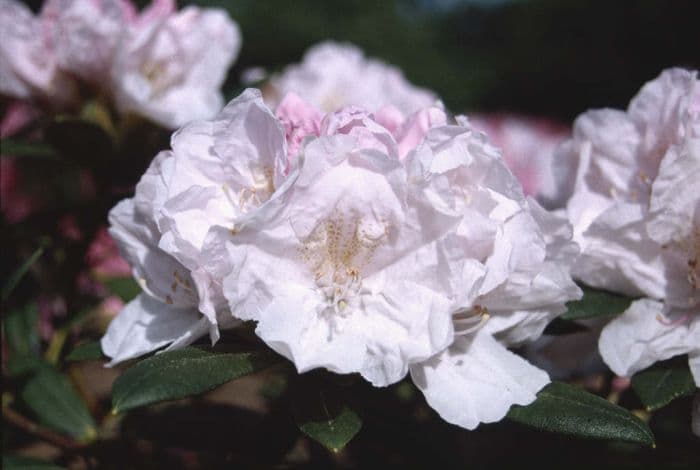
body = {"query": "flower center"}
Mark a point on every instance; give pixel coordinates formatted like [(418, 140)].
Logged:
[(470, 320), (337, 251)]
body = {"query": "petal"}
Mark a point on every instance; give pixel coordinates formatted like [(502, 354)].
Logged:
[(477, 380), (146, 324), (694, 363), (643, 335)]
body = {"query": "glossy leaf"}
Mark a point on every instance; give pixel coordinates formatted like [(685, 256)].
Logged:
[(91, 351), (51, 396), (567, 409), (662, 383), (596, 303), (322, 414), (19, 273), (177, 374)]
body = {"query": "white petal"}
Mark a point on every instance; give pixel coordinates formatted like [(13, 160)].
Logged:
[(146, 324), (477, 380), (643, 335), (694, 363)]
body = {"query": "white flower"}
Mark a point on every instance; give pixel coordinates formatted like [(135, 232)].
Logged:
[(333, 75), (216, 173), (171, 70), (528, 147), (525, 253), (636, 211), (617, 157), (28, 68), (376, 266), (86, 33)]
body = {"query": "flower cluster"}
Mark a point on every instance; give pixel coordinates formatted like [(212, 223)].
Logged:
[(635, 209), (354, 246), (158, 63)]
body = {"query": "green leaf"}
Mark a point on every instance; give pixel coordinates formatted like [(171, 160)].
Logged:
[(13, 462), (51, 396), (172, 375), (322, 416), (91, 351), (566, 409), (14, 148), (20, 327), (123, 287), (22, 364), (19, 273), (596, 303), (662, 383)]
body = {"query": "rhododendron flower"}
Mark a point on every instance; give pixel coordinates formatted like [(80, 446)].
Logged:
[(171, 70), (333, 75), (216, 173), (636, 211), (528, 147), (375, 265), (28, 67)]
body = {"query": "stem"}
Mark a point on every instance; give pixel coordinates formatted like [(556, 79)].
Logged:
[(41, 432)]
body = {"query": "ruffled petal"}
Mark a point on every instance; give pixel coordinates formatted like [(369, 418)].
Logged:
[(146, 324), (476, 381)]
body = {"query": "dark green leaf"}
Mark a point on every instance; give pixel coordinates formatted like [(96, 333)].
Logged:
[(22, 364), (325, 418), (172, 375), (20, 328), (13, 148), (51, 396), (123, 287), (596, 303), (91, 351), (19, 273), (566, 409), (564, 327), (13, 462), (662, 383)]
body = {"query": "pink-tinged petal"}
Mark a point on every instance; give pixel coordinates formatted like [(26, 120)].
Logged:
[(300, 120), (645, 333)]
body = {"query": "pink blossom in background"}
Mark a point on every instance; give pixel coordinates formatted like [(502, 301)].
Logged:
[(103, 257), (15, 204), (17, 116), (528, 146)]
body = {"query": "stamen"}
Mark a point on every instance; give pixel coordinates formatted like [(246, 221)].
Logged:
[(677, 322)]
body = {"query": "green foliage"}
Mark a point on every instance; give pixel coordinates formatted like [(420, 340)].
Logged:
[(567, 409), (13, 462), (56, 403), (17, 148), (559, 326), (662, 383), (177, 374), (20, 328), (596, 303), (323, 414), (90, 351), (19, 273), (123, 287)]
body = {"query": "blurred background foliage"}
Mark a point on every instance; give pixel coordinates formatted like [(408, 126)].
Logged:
[(552, 58)]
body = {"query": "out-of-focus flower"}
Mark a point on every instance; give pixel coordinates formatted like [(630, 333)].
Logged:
[(103, 257), (636, 212), (333, 75), (28, 66), (171, 70), (15, 203), (528, 147)]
